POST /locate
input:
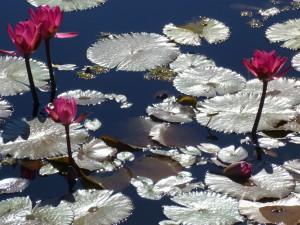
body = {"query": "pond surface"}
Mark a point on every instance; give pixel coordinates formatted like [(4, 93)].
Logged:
[(119, 17)]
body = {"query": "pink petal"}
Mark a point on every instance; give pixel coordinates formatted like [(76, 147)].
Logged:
[(78, 120), (66, 35), (13, 53), (249, 67)]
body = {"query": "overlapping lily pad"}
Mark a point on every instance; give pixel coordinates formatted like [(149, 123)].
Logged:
[(219, 112), (19, 210), (190, 61), (14, 77), (286, 32), (204, 208), (33, 139), (68, 5), (208, 82), (267, 181), (133, 52), (99, 207), (211, 30)]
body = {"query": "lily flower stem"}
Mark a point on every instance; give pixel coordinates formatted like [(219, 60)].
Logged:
[(71, 160), (256, 122), (31, 82), (49, 62)]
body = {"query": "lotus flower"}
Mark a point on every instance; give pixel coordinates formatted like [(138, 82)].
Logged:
[(241, 169), (50, 20), (64, 111), (265, 66)]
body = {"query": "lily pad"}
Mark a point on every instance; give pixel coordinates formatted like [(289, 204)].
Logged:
[(14, 77), (219, 112), (133, 52), (211, 30), (12, 185), (208, 82), (190, 61), (37, 140), (5, 110), (268, 181), (231, 155), (99, 207), (89, 97), (286, 32), (204, 208), (296, 62), (68, 5), (283, 211)]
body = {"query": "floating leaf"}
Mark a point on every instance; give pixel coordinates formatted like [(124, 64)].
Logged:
[(44, 140), (92, 124), (88, 97), (171, 111), (296, 62), (14, 77), (12, 185), (69, 5), (47, 169), (287, 32), (269, 181), (204, 208), (133, 52), (283, 87), (269, 12), (270, 143), (5, 110), (123, 156), (231, 155), (208, 82), (120, 99), (19, 210), (211, 30), (292, 165), (283, 211), (190, 61), (99, 207), (95, 155), (219, 112)]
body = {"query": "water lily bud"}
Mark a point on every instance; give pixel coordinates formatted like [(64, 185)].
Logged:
[(242, 169)]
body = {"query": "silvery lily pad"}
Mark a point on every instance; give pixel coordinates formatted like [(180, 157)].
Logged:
[(47, 169), (270, 143), (146, 188), (35, 140), (69, 5), (283, 211), (19, 210), (12, 185), (230, 154), (120, 99), (219, 112), (14, 77), (125, 156), (208, 82), (133, 52), (171, 111), (269, 12), (94, 124), (204, 208), (5, 110), (292, 165), (190, 61), (89, 97), (99, 207), (211, 30), (287, 32), (283, 87), (268, 181), (296, 62), (209, 148), (95, 155)]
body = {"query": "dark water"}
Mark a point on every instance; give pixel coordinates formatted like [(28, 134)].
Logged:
[(117, 17)]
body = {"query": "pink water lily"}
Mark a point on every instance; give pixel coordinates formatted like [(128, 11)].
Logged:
[(265, 66), (241, 169), (26, 37), (64, 111), (50, 18)]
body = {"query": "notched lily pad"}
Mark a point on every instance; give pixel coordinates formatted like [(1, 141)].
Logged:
[(230, 154), (208, 207), (211, 30), (208, 81), (68, 5), (14, 77), (133, 52)]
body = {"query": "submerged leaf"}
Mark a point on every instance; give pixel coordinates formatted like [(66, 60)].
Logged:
[(219, 112), (68, 5), (208, 81), (287, 32), (14, 77), (39, 140), (211, 30), (133, 52), (99, 207), (204, 208)]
